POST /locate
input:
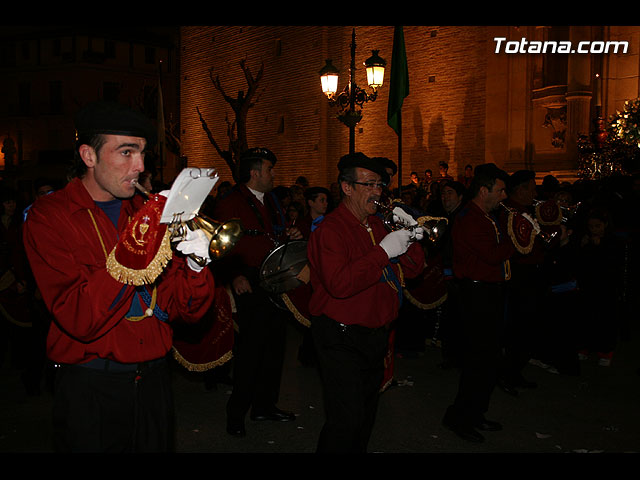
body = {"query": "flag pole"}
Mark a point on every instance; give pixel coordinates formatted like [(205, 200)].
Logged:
[(398, 90)]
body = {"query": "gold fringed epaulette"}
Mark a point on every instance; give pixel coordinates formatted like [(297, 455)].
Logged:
[(145, 275)]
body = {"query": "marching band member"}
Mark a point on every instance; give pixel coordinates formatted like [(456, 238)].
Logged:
[(106, 271), (357, 271), (527, 287), (481, 255), (259, 352)]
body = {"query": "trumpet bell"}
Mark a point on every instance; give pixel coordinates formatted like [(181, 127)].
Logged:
[(434, 229), (222, 236)]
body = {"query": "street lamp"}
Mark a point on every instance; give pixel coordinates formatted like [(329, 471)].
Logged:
[(350, 101)]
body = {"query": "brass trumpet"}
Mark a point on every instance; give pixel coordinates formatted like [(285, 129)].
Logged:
[(222, 236), (433, 227)]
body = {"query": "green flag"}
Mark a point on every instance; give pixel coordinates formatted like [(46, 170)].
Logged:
[(399, 83)]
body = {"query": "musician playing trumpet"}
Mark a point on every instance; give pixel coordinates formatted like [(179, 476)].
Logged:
[(357, 272), (526, 288), (106, 270)]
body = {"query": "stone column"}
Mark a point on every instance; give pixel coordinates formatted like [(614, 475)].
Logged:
[(578, 94)]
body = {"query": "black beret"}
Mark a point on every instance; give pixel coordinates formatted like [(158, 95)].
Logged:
[(387, 163), (112, 118), (360, 160), (518, 178), (258, 152)]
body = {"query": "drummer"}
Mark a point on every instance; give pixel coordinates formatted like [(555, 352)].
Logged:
[(259, 352), (357, 272)]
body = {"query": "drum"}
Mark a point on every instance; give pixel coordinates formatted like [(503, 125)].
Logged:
[(279, 270)]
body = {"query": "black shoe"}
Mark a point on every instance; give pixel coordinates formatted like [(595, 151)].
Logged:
[(465, 432), (236, 428), (275, 415), (488, 425), (508, 387)]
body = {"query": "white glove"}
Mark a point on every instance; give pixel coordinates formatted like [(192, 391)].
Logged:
[(417, 233), (400, 216), (396, 243), (197, 243)]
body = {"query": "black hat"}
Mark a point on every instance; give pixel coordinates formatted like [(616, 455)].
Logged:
[(111, 118), (518, 178), (387, 163), (360, 160), (258, 152)]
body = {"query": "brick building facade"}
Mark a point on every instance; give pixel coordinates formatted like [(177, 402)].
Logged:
[(468, 103)]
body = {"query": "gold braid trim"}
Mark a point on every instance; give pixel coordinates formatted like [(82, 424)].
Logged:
[(201, 367), (425, 306), (296, 313), (141, 277), (520, 248), (422, 220)]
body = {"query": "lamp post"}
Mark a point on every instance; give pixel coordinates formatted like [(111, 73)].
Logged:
[(350, 101)]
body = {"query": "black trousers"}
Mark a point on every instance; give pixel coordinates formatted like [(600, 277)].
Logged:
[(112, 410), (258, 354), (482, 319), (351, 364)]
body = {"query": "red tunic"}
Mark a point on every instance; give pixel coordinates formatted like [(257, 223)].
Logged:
[(258, 222), (347, 271), (67, 252), (480, 250)]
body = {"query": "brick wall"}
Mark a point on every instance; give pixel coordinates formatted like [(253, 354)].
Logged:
[(443, 116)]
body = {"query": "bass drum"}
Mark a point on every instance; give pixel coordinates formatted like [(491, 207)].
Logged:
[(279, 270)]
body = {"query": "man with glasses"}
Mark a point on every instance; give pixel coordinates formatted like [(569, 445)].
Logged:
[(357, 272)]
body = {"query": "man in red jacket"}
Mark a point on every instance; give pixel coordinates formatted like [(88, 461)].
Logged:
[(357, 272), (112, 304), (481, 254), (260, 346)]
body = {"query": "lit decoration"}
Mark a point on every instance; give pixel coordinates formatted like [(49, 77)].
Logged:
[(614, 148)]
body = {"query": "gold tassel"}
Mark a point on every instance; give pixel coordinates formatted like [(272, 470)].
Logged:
[(131, 276)]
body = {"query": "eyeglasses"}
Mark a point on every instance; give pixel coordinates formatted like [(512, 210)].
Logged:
[(371, 185)]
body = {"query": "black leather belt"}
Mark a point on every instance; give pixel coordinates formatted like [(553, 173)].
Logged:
[(107, 365), (481, 282)]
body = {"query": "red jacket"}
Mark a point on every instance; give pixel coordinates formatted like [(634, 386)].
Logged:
[(262, 225), (347, 270), (480, 250), (89, 306)]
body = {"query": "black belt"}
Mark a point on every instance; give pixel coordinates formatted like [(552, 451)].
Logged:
[(107, 365), (481, 282), (352, 327)]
